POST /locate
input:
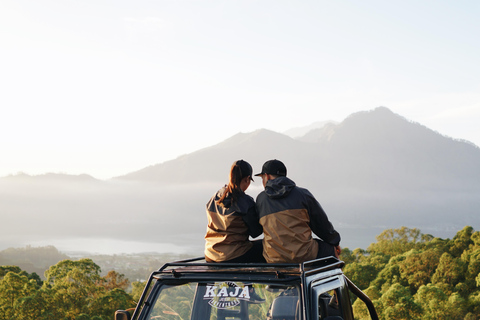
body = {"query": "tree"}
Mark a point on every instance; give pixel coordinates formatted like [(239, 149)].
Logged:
[(34, 306), (441, 275), (432, 300), (137, 289), (112, 300), (419, 266), (357, 255), (461, 241), (114, 280), (360, 309), (390, 275), (78, 290), (14, 287), (456, 306), (397, 303), (6, 269), (73, 286), (393, 242), (67, 269), (474, 303), (436, 305), (450, 271), (472, 258)]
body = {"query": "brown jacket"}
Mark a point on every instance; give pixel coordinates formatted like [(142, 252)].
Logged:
[(229, 227), (288, 215)]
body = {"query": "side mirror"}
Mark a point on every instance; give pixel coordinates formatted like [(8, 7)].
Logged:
[(122, 315)]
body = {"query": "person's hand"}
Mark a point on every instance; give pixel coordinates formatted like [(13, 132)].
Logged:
[(338, 250)]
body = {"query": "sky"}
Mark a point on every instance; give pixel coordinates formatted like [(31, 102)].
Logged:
[(106, 88)]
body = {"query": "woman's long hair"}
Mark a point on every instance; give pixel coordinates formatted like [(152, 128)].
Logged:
[(236, 176)]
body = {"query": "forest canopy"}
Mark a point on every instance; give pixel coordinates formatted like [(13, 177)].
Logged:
[(72, 290), (407, 274), (410, 275)]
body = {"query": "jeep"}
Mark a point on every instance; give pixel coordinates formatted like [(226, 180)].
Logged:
[(195, 290)]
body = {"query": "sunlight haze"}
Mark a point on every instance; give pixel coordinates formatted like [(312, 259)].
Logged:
[(110, 87)]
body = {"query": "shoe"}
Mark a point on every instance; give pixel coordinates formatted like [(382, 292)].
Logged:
[(255, 298), (274, 288), (333, 302)]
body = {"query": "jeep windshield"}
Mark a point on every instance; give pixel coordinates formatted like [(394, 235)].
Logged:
[(220, 300)]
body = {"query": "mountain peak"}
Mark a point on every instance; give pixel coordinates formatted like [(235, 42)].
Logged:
[(362, 121), (381, 114)]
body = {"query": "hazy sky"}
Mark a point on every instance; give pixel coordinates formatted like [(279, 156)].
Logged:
[(110, 87)]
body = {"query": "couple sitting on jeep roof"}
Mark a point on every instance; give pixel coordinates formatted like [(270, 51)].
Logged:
[(285, 213)]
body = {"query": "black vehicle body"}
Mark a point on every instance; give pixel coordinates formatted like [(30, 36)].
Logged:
[(194, 290)]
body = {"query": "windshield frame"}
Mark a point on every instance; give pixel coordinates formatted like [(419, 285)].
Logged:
[(198, 307)]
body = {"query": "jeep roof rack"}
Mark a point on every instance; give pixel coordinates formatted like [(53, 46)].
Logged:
[(195, 266), (196, 269)]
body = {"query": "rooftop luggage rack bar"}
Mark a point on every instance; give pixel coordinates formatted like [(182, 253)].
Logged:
[(195, 266)]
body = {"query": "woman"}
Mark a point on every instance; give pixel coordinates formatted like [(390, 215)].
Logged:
[(232, 218)]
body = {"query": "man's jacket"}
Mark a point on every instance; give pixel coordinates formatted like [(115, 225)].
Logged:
[(229, 227), (288, 215)]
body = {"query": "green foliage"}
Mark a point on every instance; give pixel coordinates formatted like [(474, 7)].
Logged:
[(361, 274), (450, 271), (409, 275), (137, 290), (461, 241), (398, 303), (363, 268), (6, 269), (390, 275), (14, 287), (419, 266), (72, 290), (115, 280), (392, 242)]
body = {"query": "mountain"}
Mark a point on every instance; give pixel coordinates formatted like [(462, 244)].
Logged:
[(380, 148), (301, 131), (369, 150), (373, 171), (213, 163)]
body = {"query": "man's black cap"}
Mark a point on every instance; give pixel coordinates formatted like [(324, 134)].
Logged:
[(274, 167)]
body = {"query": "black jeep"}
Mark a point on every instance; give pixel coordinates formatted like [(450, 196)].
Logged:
[(194, 290)]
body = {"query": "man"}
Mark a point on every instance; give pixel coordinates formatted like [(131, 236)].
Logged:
[(288, 215)]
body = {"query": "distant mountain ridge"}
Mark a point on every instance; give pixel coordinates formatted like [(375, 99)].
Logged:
[(299, 132), (366, 146), (51, 177), (373, 171)]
